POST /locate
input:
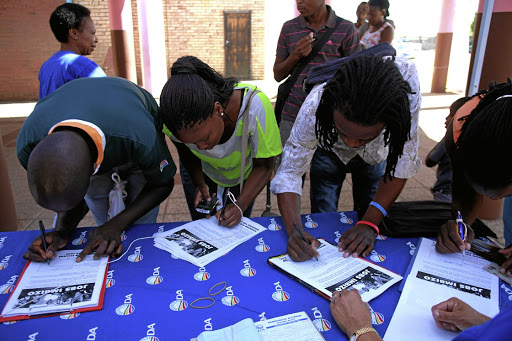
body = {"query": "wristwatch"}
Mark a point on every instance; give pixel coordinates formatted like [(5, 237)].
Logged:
[(362, 331)]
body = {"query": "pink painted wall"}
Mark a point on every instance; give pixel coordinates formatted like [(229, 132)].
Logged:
[(499, 6)]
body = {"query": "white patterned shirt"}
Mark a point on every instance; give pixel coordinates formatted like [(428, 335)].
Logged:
[(302, 143)]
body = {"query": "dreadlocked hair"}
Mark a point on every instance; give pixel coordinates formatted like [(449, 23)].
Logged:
[(486, 139), (190, 94), (367, 90)]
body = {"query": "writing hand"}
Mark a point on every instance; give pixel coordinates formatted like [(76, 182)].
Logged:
[(231, 216), (449, 240), (455, 315), (55, 240), (106, 238), (358, 240), (299, 250), (506, 267)]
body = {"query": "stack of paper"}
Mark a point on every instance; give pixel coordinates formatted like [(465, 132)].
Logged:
[(434, 278), (202, 241), (291, 327)]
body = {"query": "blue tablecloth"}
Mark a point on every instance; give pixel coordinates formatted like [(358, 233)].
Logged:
[(141, 289)]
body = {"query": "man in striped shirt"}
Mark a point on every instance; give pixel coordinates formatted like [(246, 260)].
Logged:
[(296, 40)]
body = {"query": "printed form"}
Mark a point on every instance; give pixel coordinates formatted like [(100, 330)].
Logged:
[(434, 278)]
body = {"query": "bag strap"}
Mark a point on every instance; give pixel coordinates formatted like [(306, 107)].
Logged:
[(305, 60), (245, 123)]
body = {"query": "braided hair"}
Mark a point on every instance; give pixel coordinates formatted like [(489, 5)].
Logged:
[(190, 94), (486, 138), (367, 90)]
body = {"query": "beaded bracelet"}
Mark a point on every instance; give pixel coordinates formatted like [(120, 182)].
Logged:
[(368, 223), (379, 207)]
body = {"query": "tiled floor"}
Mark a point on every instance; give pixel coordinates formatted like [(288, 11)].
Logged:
[(174, 208)]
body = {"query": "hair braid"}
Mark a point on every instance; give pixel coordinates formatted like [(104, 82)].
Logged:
[(367, 90)]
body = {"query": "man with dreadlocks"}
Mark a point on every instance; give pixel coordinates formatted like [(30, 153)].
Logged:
[(365, 117), (477, 141)]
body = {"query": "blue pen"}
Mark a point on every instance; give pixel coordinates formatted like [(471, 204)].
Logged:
[(461, 226)]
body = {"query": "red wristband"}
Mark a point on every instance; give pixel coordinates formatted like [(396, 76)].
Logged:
[(372, 225)]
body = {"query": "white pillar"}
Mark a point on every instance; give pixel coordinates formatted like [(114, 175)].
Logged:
[(152, 45)]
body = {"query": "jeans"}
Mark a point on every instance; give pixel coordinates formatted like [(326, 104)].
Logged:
[(101, 185), (190, 193), (507, 220), (327, 176)]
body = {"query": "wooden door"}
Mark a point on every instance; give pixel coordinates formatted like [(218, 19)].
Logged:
[(237, 44)]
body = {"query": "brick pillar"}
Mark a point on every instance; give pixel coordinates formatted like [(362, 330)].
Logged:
[(443, 47), (121, 30), (497, 64)]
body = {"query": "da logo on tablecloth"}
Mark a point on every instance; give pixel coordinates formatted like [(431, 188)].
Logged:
[(508, 291), (80, 240), (92, 333), (123, 236), (9, 286), (127, 308), (310, 223), (155, 278), (110, 279), (150, 335), (69, 316), (9, 322), (5, 262), (280, 295), (381, 237), (412, 248), (2, 241), (247, 271), (262, 247), (345, 220), (274, 226), (337, 234), (160, 230), (208, 324), (179, 304), (377, 318), (202, 275), (321, 324), (376, 257), (136, 256), (230, 299)]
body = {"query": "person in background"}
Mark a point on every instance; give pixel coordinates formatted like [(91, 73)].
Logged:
[(353, 317), (380, 29), (478, 141), (205, 115), (362, 13), (74, 29), (298, 37), (363, 120), (72, 144)]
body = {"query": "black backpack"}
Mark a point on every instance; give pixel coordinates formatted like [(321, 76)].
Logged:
[(322, 73)]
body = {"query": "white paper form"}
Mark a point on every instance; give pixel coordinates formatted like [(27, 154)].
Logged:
[(202, 241), (334, 272), (291, 327), (433, 279), (61, 286)]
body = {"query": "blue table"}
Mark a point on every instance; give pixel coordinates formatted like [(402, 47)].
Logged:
[(143, 285)]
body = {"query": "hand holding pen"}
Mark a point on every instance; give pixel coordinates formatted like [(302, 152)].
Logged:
[(299, 231), (43, 239), (454, 236)]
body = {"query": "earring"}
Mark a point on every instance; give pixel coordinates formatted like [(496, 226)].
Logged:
[(221, 114)]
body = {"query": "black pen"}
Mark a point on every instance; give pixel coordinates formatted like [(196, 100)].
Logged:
[(297, 228), (43, 239), (224, 198)]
